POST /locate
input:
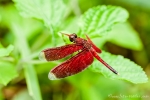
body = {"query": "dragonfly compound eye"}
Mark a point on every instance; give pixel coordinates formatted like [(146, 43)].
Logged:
[(72, 37), (75, 35)]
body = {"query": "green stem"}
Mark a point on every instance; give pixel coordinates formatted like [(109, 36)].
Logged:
[(30, 74), (52, 32)]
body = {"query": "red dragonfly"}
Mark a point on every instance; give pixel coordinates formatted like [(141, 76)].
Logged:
[(87, 51)]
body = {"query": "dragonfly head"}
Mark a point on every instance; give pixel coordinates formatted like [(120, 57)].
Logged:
[(72, 36)]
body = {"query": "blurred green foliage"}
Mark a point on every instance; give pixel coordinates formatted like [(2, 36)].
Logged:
[(35, 25)]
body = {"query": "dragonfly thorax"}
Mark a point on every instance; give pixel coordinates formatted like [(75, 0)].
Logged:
[(83, 42)]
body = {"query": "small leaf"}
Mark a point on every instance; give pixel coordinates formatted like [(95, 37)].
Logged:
[(5, 51), (50, 11), (125, 36), (127, 69), (7, 72), (98, 20)]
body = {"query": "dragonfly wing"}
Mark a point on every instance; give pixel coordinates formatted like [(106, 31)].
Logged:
[(72, 66), (56, 53)]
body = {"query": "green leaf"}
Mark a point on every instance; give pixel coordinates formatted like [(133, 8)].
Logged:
[(127, 69), (125, 36), (7, 72), (50, 11), (5, 51), (98, 20), (10, 16)]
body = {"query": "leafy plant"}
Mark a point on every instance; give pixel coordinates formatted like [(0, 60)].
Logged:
[(97, 22), (7, 72)]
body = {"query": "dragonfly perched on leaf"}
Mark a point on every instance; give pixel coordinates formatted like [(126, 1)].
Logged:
[(77, 63)]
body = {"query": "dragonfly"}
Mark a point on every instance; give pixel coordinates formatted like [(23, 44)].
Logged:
[(86, 49)]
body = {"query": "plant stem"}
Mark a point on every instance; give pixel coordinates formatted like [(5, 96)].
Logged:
[(30, 74)]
